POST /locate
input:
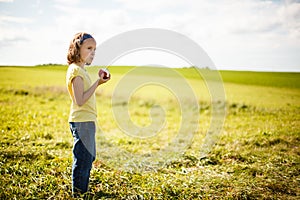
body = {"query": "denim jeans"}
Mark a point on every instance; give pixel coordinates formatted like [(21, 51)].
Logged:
[(84, 152)]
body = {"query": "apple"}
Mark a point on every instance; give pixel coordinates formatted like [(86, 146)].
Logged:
[(106, 73)]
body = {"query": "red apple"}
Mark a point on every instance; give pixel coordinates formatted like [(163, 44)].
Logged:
[(106, 73)]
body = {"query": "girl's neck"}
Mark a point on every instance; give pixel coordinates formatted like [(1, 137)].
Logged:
[(80, 64)]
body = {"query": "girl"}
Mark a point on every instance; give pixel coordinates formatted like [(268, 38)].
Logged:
[(83, 112)]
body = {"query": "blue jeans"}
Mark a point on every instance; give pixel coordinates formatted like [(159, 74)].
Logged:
[(84, 152)]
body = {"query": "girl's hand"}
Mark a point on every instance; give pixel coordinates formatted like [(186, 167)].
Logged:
[(101, 80)]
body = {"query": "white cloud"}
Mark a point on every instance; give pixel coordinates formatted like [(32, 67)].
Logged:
[(101, 23), (67, 2), (49, 44), (12, 41), (153, 5), (233, 32), (291, 18), (238, 33), (13, 30), (13, 19), (212, 18)]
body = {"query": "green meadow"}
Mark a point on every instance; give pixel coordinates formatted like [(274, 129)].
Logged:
[(256, 154)]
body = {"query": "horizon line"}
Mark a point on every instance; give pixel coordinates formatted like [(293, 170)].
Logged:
[(172, 67)]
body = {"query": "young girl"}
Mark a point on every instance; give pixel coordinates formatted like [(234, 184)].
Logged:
[(83, 112)]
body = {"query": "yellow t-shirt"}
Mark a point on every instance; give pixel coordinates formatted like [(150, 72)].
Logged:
[(88, 111)]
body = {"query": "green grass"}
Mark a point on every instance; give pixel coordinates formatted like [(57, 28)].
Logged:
[(257, 155), (273, 79)]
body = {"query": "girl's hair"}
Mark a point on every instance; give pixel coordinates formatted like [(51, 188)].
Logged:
[(74, 48)]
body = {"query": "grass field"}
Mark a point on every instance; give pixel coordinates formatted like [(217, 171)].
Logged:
[(256, 156)]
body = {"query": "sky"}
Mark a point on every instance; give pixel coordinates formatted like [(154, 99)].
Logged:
[(256, 35)]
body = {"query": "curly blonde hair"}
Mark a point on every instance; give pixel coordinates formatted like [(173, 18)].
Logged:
[(74, 48)]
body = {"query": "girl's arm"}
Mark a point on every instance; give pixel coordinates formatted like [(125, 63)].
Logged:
[(80, 96)]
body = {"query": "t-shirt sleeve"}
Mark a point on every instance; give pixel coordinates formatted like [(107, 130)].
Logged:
[(73, 72)]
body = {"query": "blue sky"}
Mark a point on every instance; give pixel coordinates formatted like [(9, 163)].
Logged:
[(236, 34)]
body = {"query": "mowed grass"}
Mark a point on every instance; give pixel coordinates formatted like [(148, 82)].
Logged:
[(256, 156)]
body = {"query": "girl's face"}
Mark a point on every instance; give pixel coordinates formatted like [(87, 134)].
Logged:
[(87, 51)]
